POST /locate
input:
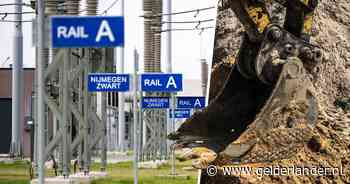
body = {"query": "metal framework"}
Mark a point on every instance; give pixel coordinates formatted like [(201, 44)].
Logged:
[(68, 121), (74, 127), (154, 126), (155, 132)]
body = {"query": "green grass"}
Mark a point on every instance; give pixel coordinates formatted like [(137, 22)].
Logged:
[(121, 173), (14, 173)]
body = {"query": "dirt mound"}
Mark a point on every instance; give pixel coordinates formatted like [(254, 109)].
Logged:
[(320, 148), (324, 150)]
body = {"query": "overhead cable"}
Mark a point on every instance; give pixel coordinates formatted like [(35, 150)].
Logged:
[(14, 13), (15, 4), (188, 22), (15, 21), (177, 13), (188, 29), (106, 10), (109, 7)]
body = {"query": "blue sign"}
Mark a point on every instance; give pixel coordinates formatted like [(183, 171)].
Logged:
[(161, 82), (181, 113), (87, 31), (191, 102), (155, 102), (108, 82)]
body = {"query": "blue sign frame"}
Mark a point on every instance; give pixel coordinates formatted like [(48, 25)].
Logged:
[(161, 82), (87, 31), (108, 82), (180, 113), (155, 103), (190, 102)]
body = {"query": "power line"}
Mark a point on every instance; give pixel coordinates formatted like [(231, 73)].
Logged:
[(14, 4), (189, 29), (14, 13), (109, 7), (188, 22), (189, 11), (5, 61), (106, 10), (15, 21), (177, 13)]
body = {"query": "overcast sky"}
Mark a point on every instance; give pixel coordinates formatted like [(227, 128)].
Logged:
[(186, 44)]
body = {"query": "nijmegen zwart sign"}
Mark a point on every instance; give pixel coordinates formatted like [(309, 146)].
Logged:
[(108, 82), (155, 102)]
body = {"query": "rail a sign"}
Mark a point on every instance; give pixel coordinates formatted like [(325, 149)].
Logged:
[(155, 103), (87, 31), (191, 102), (108, 82), (180, 113), (161, 82)]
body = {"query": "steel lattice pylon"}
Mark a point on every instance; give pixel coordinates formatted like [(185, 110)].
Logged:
[(154, 142), (74, 128)]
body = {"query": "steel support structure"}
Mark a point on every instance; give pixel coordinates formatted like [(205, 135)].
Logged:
[(63, 101), (104, 119), (40, 91), (135, 117), (154, 126), (121, 100), (17, 83), (168, 62)]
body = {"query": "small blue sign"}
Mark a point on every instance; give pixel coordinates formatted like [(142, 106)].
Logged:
[(181, 113), (87, 31), (108, 82), (191, 102), (155, 102), (161, 82)]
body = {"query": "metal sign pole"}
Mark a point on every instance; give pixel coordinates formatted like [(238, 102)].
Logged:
[(121, 98), (17, 87), (41, 88), (135, 108), (168, 10), (173, 168)]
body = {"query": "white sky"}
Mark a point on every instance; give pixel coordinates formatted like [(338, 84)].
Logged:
[(186, 44)]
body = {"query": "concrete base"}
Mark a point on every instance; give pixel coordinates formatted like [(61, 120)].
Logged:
[(78, 178), (55, 180), (182, 176), (92, 176), (189, 169), (152, 164)]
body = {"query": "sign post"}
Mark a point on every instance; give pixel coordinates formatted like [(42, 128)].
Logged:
[(136, 119), (41, 91)]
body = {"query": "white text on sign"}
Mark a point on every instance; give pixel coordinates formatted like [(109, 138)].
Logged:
[(155, 82), (79, 32), (108, 82)]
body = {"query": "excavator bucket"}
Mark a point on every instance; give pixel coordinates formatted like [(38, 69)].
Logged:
[(246, 114), (262, 106)]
